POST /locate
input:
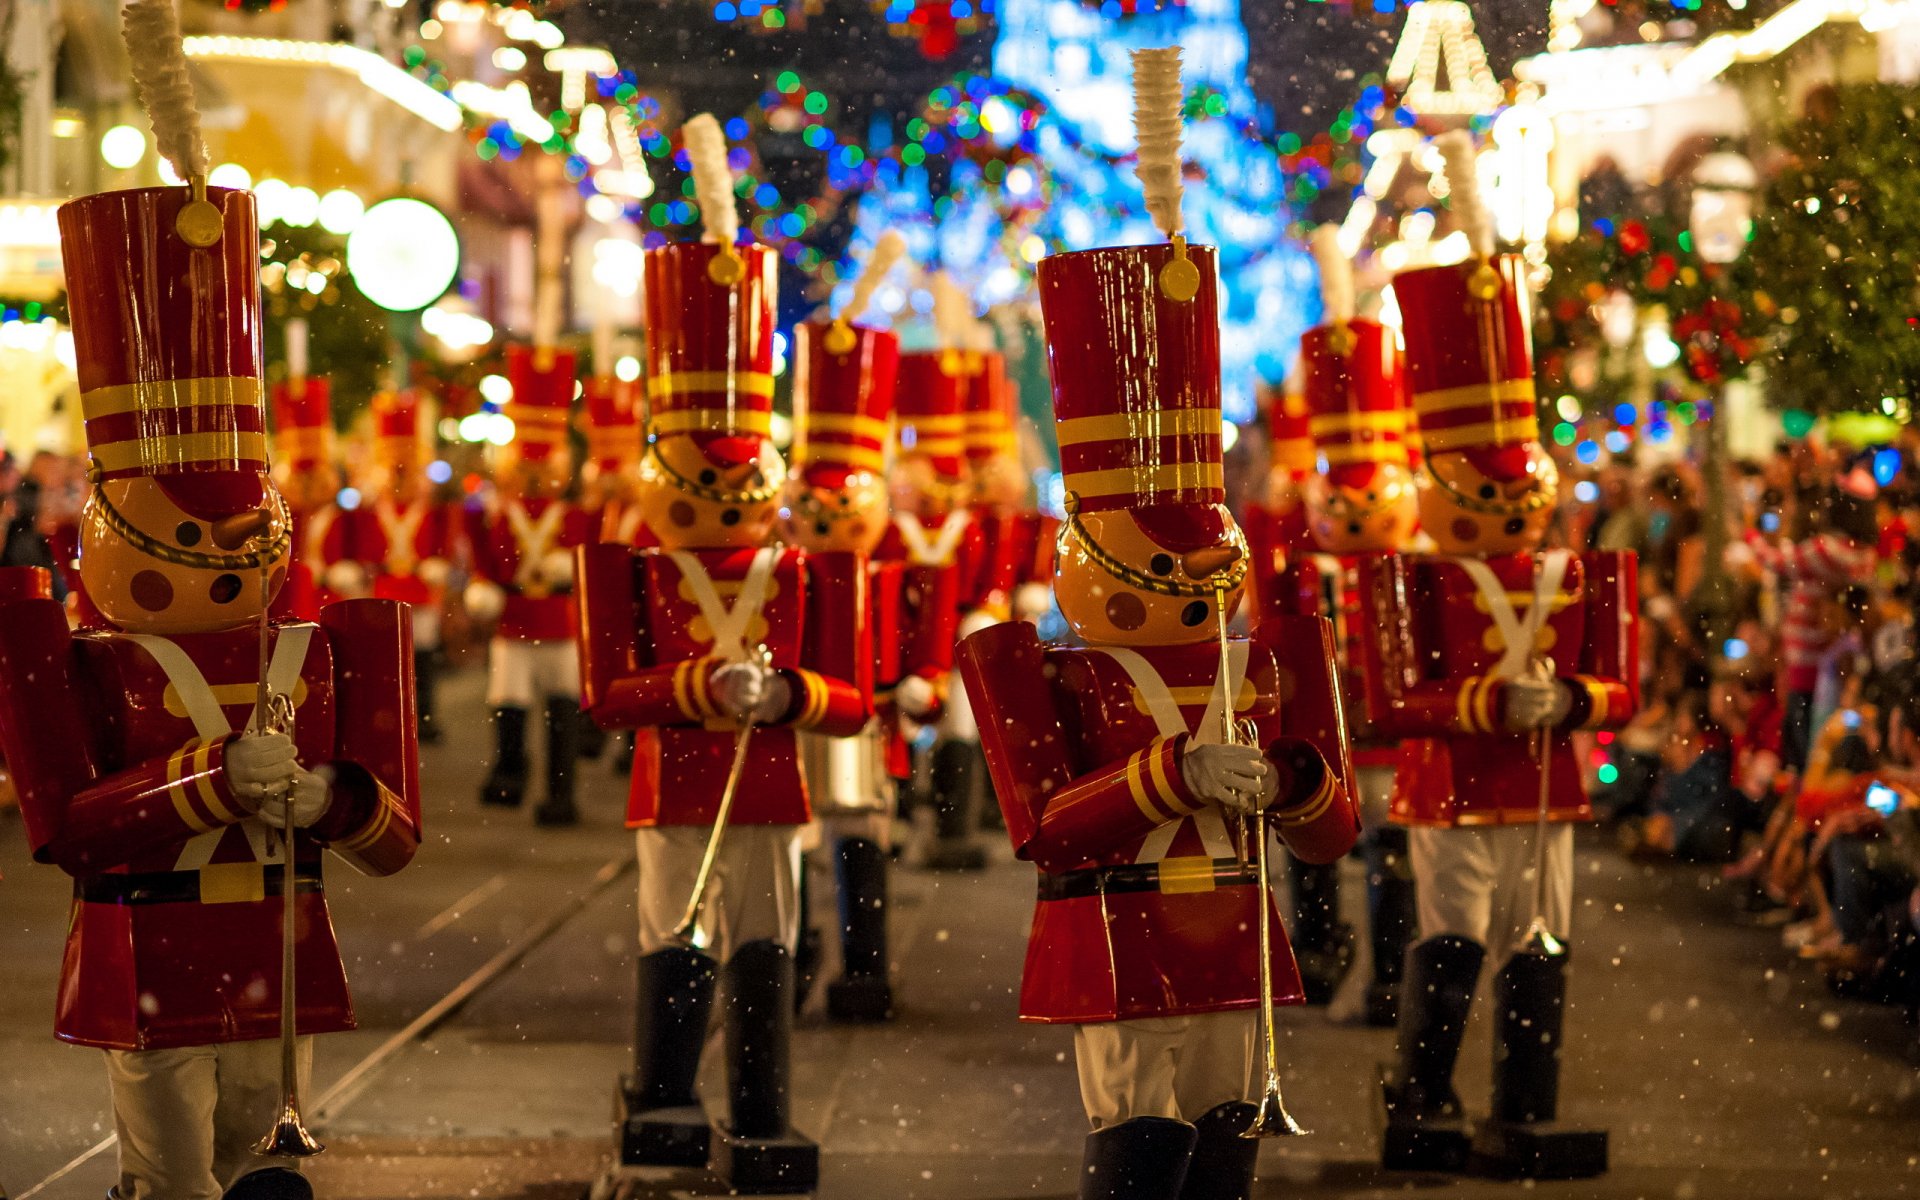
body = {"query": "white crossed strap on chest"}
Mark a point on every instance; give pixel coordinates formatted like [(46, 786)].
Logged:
[(534, 539), (730, 623), (402, 531), (1166, 715), (628, 526), (211, 724), (1518, 633), (939, 550), (314, 542)]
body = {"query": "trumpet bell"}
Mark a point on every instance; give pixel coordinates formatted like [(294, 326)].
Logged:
[(1273, 1120), (289, 1138)]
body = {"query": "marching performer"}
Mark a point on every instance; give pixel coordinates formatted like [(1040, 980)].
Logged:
[(306, 474), (1497, 651), (1276, 526), (718, 648), (522, 545), (942, 552), (1122, 772), (405, 538), (614, 444), (155, 763), (1361, 501), (836, 500)]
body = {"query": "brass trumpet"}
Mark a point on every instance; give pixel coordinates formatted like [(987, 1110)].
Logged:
[(1272, 1120), (289, 1137), (690, 922)]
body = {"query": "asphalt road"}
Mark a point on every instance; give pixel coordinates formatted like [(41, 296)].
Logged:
[(1721, 1067)]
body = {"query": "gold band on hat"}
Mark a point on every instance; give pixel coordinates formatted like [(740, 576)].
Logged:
[(157, 395), (1469, 395), (1483, 433), (1142, 481), (180, 449), (736, 423), (1334, 424), (840, 454), (1146, 422), (855, 424), (687, 383)]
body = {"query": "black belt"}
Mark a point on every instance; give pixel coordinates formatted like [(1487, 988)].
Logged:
[(1181, 875), (176, 887)]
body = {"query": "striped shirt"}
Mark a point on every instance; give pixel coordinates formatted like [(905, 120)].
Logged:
[(1812, 571)]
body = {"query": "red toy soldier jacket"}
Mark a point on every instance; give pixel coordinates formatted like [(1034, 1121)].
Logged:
[(1144, 910), (656, 625), (117, 743), (395, 538), (512, 539), (1450, 631)]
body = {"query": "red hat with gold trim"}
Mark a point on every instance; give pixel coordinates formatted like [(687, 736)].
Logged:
[(1470, 361), (930, 404), (543, 389), (1136, 387), (710, 347), (843, 389), (166, 339), (1290, 432), (303, 423), (989, 410), (613, 423), (397, 431), (1355, 399)]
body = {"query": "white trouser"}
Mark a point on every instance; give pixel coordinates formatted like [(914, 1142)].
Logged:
[(188, 1117), (426, 625), (523, 674), (1375, 785), (1178, 1067), (752, 896), (1477, 882)]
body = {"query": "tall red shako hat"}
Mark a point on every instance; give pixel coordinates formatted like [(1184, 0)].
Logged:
[(988, 429), (929, 403), (1469, 343), (303, 423), (1355, 399), (165, 307), (709, 308), (398, 435), (1289, 433), (543, 389), (613, 423), (843, 389)]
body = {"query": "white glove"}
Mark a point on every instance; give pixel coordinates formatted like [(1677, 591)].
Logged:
[(485, 600), (1032, 601), (308, 796), (556, 569), (432, 572), (258, 765), (916, 696), (346, 579), (1236, 778), (1535, 703), (749, 689)]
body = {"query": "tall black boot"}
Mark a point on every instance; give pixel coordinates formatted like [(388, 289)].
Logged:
[(662, 1123), (811, 947), (270, 1183), (506, 782), (563, 760), (426, 680), (1391, 920), (1223, 1161), (955, 808), (623, 754), (1322, 943), (757, 1151), (1523, 1138), (1425, 1127), (862, 992), (1142, 1159)]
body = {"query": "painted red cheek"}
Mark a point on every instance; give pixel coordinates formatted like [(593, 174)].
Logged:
[(1126, 611), (681, 513), (1466, 529), (151, 591)]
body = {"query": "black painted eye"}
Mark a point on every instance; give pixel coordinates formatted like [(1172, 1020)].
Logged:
[(709, 477), (188, 534), (1161, 564), (1486, 491)]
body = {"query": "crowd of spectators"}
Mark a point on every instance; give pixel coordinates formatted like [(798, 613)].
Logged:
[(1779, 732)]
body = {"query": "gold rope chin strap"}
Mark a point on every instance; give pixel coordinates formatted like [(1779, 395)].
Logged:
[(1536, 500), (1076, 531), (180, 556), (760, 495)]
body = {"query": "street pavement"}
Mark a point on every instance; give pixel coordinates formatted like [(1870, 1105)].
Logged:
[(1722, 1068)]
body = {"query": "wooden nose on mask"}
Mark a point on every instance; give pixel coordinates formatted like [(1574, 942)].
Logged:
[(1209, 561), (231, 533)]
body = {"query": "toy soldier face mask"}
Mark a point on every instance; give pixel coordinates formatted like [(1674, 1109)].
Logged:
[(150, 563), (1119, 585)]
